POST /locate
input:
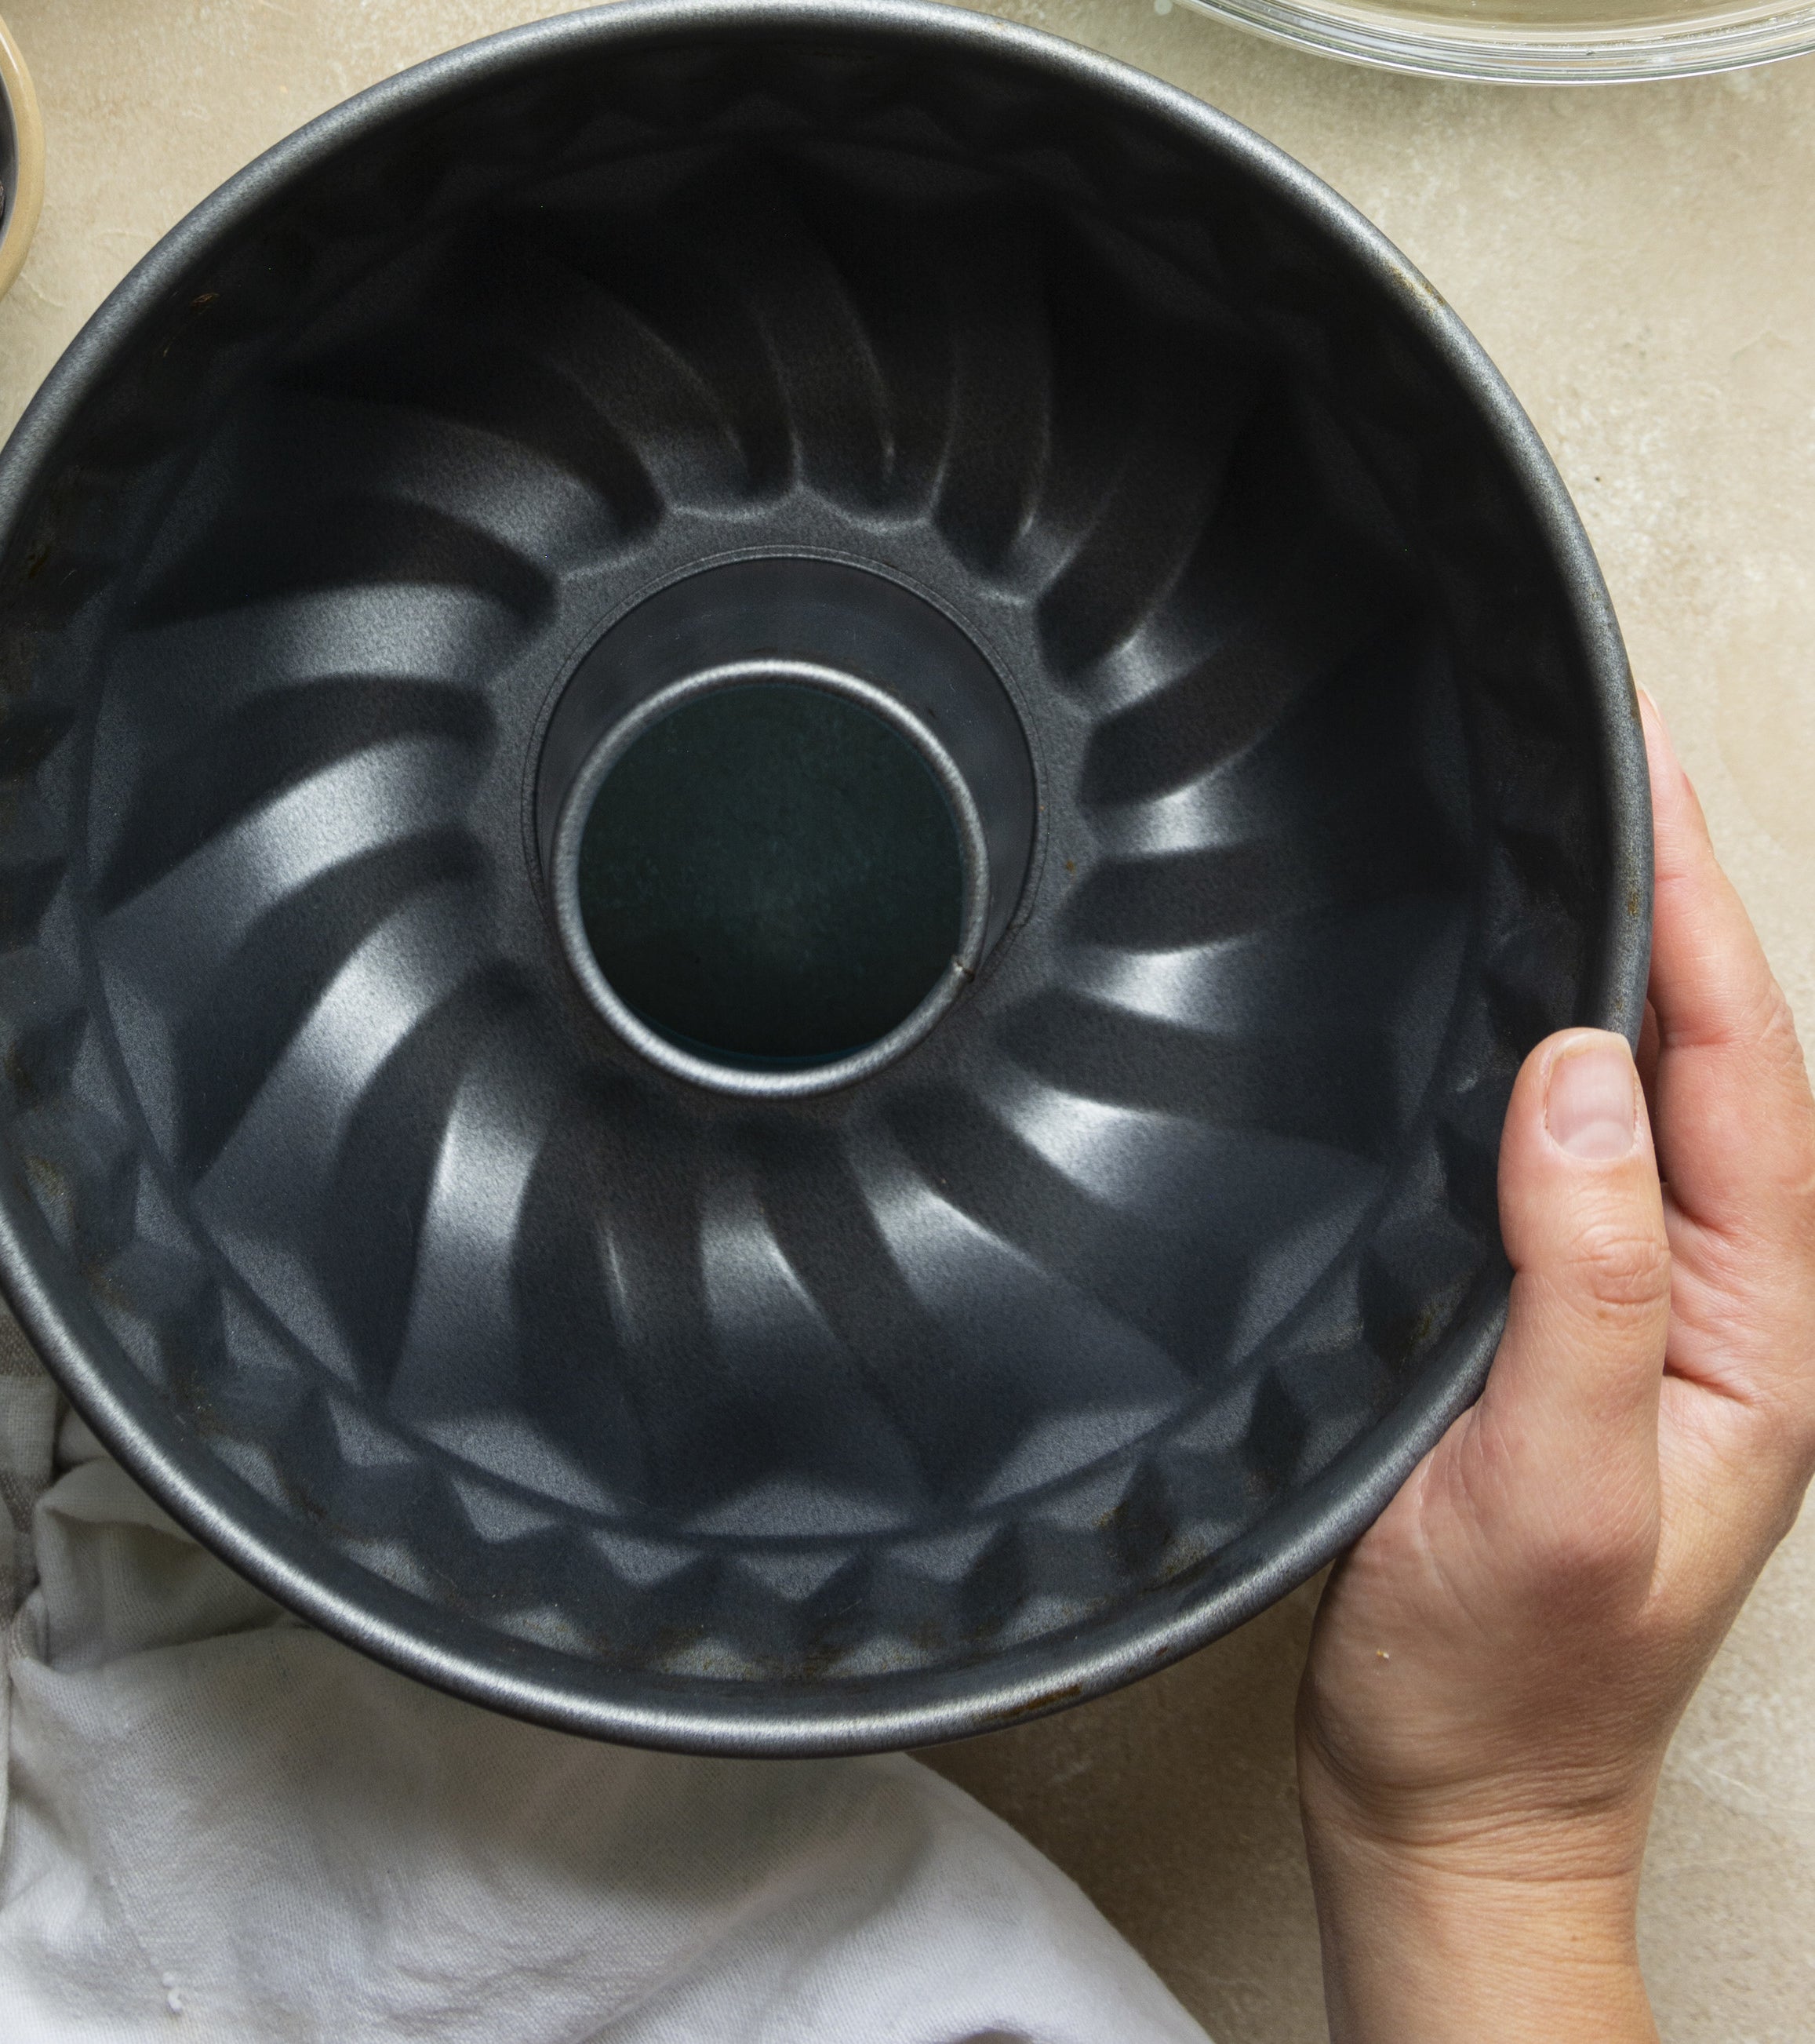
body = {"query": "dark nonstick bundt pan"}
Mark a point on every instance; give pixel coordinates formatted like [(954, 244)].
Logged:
[(786, 787)]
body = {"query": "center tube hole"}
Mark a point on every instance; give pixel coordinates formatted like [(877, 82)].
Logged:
[(772, 874)]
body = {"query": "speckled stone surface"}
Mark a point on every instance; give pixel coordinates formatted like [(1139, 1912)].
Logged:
[(1640, 261)]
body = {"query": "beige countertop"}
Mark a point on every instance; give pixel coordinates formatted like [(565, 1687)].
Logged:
[(1641, 262)]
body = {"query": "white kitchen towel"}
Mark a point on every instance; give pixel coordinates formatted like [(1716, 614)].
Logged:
[(223, 1826)]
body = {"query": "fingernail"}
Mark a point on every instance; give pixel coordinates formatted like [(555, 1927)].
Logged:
[(1591, 1108)]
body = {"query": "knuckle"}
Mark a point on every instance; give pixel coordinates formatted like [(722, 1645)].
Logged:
[(1603, 1550), (1776, 1032), (1782, 1049), (1797, 1201), (1625, 1270), (1798, 1440)]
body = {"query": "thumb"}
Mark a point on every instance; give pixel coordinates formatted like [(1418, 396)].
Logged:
[(1576, 1383)]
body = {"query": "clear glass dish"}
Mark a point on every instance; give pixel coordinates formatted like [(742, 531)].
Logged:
[(1556, 42)]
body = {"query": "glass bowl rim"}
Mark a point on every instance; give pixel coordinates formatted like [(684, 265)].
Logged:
[(1718, 39)]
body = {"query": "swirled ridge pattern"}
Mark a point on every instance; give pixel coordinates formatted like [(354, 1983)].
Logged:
[(638, 1386)]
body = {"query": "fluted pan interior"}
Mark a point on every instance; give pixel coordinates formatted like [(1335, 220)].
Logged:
[(1108, 1307)]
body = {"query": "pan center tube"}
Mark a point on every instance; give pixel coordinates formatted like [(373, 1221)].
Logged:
[(785, 809)]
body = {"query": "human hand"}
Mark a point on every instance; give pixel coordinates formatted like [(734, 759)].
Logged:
[(1498, 1664)]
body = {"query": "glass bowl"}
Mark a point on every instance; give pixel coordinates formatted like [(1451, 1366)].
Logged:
[(1539, 42)]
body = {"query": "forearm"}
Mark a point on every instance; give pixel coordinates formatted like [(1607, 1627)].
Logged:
[(1417, 1953)]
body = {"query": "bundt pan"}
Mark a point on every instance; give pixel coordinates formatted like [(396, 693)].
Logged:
[(786, 787)]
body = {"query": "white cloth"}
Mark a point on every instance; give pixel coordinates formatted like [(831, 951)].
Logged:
[(225, 1826)]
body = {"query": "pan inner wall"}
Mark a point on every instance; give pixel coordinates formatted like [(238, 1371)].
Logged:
[(1159, 1217)]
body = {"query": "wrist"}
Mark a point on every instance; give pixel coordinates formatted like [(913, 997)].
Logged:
[(1540, 1830), (1463, 1917), (1424, 1946)]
